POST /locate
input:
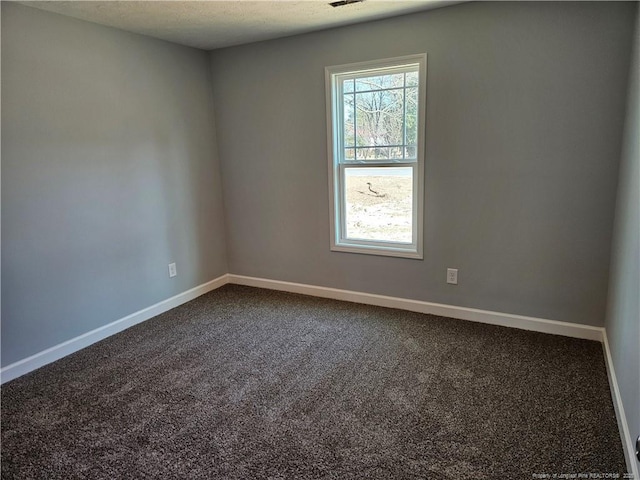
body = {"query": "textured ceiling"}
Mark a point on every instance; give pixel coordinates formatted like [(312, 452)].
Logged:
[(215, 24)]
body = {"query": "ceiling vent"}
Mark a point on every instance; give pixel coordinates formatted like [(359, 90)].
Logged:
[(342, 3)]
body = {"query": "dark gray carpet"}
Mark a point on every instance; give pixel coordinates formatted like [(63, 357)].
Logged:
[(244, 383)]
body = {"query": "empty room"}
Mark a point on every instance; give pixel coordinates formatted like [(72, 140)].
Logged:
[(320, 240)]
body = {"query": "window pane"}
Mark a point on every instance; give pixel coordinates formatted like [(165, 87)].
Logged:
[(350, 153), (380, 81), (395, 153), (379, 118), (347, 86), (378, 204), (349, 132), (411, 118), (412, 79), (411, 153)]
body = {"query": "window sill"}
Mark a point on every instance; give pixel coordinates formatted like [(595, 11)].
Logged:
[(377, 250)]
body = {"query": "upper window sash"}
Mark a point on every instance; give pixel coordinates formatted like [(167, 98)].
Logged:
[(398, 145)]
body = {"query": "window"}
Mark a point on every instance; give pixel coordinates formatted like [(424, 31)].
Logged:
[(376, 126)]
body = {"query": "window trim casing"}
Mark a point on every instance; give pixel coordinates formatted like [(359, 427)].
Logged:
[(336, 187)]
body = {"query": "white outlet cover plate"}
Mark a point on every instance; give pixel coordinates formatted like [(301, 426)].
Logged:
[(452, 276)]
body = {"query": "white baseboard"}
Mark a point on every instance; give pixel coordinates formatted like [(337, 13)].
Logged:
[(63, 349), (623, 425), (482, 316)]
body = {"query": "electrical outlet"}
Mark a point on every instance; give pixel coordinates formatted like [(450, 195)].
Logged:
[(452, 276), (172, 270)]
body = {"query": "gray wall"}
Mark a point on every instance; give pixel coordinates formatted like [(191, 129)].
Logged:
[(109, 172), (623, 316), (525, 108)]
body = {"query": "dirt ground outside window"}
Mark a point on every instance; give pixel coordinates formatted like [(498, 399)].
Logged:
[(379, 207)]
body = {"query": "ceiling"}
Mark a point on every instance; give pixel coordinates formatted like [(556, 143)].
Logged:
[(214, 24)]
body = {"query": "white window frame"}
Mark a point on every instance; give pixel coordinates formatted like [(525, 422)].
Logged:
[(337, 162)]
